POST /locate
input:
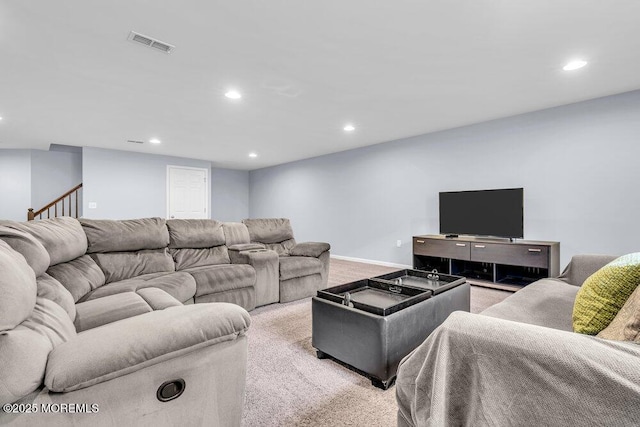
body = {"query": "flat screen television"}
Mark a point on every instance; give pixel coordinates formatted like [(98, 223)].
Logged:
[(496, 213)]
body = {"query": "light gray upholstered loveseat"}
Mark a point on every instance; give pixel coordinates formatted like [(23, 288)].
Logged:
[(519, 363), (99, 312)]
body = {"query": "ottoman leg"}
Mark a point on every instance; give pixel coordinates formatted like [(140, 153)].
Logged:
[(383, 384), (321, 354)]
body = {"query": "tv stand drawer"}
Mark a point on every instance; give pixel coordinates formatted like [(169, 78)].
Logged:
[(442, 248), (522, 255)]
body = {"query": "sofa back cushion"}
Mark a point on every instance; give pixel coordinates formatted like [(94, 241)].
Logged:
[(17, 288), (125, 235), (195, 233), (235, 233), (31, 249), (188, 258), (79, 277), (51, 289), (26, 348), (38, 259), (197, 242), (62, 237), (269, 230), (118, 266), (128, 248)]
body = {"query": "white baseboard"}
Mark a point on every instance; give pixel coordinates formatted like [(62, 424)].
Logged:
[(371, 261)]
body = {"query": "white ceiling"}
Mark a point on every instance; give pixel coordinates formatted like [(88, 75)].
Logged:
[(393, 68)]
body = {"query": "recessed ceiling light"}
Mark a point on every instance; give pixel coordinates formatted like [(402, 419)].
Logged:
[(574, 65), (0, 117), (349, 128), (233, 94), (155, 141), (253, 155)]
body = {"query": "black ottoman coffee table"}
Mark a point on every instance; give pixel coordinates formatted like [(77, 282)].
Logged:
[(372, 324)]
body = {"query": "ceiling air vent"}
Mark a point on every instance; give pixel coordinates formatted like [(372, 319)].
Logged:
[(134, 141), (150, 42)]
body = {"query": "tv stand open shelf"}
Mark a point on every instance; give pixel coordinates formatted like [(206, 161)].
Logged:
[(496, 263)]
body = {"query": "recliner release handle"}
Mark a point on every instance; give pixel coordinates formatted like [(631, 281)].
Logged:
[(170, 390)]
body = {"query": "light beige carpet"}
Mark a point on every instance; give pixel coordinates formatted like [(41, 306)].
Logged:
[(288, 386)]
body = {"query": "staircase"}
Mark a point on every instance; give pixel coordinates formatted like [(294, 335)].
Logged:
[(65, 205)]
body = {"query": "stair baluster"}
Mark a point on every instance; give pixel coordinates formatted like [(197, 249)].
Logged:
[(74, 192)]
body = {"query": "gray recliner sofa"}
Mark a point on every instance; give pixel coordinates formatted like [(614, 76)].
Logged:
[(519, 363), (303, 267), (97, 317)]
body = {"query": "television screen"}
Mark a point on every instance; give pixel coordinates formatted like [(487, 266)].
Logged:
[(498, 213)]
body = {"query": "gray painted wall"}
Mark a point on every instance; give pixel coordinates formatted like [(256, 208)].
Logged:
[(123, 184), (229, 194), (578, 165), (53, 173), (126, 184), (15, 184)]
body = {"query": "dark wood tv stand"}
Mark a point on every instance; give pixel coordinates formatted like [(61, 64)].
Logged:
[(496, 263)]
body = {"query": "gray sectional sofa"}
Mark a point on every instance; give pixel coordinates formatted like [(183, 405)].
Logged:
[(519, 363), (99, 316)]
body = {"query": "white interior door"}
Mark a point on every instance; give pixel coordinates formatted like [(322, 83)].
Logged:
[(187, 192)]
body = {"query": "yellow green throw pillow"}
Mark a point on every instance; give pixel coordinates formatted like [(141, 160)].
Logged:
[(604, 293)]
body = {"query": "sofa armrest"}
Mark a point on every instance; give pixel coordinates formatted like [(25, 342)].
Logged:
[(310, 249), (246, 247), (254, 257), (582, 266), (120, 348), (475, 369)]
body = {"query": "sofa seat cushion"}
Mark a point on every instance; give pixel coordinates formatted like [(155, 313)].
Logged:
[(546, 302), (100, 311), (179, 285), (220, 278), (298, 266), (80, 276), (25, 349)]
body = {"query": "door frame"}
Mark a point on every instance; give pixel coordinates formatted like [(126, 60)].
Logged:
[(207, 202)]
